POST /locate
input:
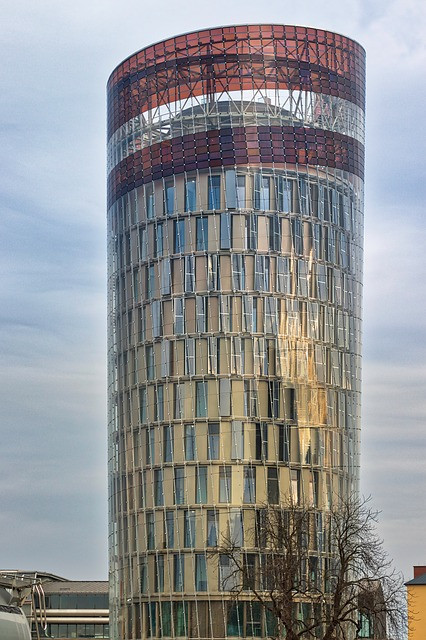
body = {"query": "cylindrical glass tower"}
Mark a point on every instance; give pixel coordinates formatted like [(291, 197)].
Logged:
[(235, 227)]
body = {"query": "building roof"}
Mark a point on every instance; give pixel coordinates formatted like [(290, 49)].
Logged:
[(76, 586), (419, 580)]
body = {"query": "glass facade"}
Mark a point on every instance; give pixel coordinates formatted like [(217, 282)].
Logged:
[(235, 230)]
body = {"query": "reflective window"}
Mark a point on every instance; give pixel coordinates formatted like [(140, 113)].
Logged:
[(214, 192), (241, 192), (202, 231), (200, 572), (201, 399), (168, 443), (158, 488), (191, 195), (273, 490), (179, 485), (225, 484), (189, 442), (179, 236), (189, 529), (169, 196), (149, 201), (225, 230), (213, 441), (169, 530), (249, 492), (179, 573), (201, 485), (212, 528)]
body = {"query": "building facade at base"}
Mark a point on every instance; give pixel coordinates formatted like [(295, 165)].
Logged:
[(235, 229)]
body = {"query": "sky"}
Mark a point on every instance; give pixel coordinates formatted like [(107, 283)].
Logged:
[(56, 58)]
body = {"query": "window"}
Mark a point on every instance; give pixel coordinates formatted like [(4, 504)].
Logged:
[(149, 201), (296, 235), (214, 192), (201, 485), (275, 233), (169, 530), (142, 404), (261, 440), (283, 443), (157, 318), (202, 237), (284, 194), (273, 490), (189, 356), (159, 402), (179, 315), (158, 488), (261, 192), (213, 273), (159, 573), (304, 196), (150, 530), (250, 398), (249, 573), (179, 488), (168, 443), (212, 528), (169, 196), (241, 191), (165, 277), (201, 399), (191, 195), (273, 399), (200, 572), (177, 401), (189, 442), (143, 575), (237, 444), (236, 533), (238, 272), (151, 619), (251, 232), (189, 274), (234, 627), (253, 611), (149, 357), (271, 315), (225, 230), (261, 273), (249, 495), (166, 619), (189, 529), (249, 314), (149, 281), (179, 571), (179, 236), (224, 397), (180, 618), (213, 441), (201, 310), (158, 239), (225, 484), (150, 446), (283, 275), (225, 313), (295, 486)]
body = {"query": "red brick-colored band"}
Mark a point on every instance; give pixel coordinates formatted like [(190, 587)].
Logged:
[(234, 59), (266, 146)]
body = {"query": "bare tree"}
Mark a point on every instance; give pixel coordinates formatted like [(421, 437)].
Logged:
[(317, 574)]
